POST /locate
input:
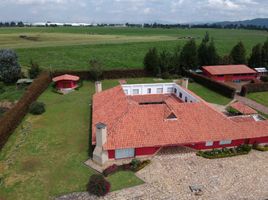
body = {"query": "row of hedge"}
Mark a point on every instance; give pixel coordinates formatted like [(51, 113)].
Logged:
[(225, 152), (212, 84), (107, 74), (12, 118), (253, 87)]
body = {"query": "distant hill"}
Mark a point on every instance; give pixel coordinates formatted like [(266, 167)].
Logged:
[(255, 22)]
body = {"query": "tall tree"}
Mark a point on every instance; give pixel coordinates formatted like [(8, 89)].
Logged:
[(203, 53), (238, 54), (151, 62), (213, 56), (188, 56), (265, 54), (175, 61), (96, 69), (255, 59), (10, 69), (165, 63)]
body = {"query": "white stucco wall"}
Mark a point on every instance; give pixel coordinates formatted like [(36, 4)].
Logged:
[(142, 89)]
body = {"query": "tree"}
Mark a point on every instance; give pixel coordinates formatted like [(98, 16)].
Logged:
[(98, 185), (175, 61), (265, 54), (206, 38), (151, 62), (213, 56), (203, 53), (188, 56), (255, 59), (238, 54), (96, 69), (165, 62), (10, 69), (34, 70)]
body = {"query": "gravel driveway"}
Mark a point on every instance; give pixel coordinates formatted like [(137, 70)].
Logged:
[(170, 174)]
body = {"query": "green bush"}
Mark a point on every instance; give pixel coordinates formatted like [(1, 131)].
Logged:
[(225, 152), (98, 185), (142, 165), (34, 70), (260, 147), (135, 163), (2, 87), (233, 111), (37, 108)]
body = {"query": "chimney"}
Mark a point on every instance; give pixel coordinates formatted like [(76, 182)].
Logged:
[(184, 83), (100, 156), (98, 86), (101, 134)]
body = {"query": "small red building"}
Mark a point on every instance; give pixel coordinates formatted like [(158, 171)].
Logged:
[(229, 72), (66, 82)]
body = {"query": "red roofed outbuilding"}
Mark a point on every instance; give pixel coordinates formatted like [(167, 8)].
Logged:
[(66, 81), (229, 72)]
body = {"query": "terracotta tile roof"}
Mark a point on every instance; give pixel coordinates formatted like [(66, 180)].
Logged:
[(131, 125), (242, 108), (229, 69), (66, 77)]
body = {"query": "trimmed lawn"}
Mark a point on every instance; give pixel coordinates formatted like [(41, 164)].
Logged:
[(208, 95), (260, 97), (44, 157), (10, 93)]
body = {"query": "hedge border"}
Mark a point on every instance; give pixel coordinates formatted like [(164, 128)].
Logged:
[(12, 118), (253, 87), (216, 86)]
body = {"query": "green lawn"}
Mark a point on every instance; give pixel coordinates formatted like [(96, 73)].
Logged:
[(72, 47), (260, 97), (10, 93), (208, 95), (44, 157)]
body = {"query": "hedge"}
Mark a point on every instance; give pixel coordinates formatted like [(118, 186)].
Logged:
[(253, 87), (12, 118), (107, 74), (212, 84)]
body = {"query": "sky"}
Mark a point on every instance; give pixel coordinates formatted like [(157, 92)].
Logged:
[(132, 11)]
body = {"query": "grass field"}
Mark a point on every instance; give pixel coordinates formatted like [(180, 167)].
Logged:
[(208, 95), (260, 97), (10, 93), (72, 47)]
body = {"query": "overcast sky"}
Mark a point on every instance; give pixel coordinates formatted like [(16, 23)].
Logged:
[(134, 11)]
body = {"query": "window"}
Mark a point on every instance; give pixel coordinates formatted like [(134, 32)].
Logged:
[(222, 142), (149, 90), (209, 143), (180, 95), (159, 90), (135, 91), (171, 116), (175, 90), (169, 90), (186, 99), (126, 91)]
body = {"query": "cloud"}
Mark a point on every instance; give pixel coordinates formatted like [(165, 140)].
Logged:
[(136, 11)]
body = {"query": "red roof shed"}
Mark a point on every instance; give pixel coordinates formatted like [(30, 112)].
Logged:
[(66, 81)]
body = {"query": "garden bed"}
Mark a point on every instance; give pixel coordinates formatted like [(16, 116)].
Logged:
[(225, 152)]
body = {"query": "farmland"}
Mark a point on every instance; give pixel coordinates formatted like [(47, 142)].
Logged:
[(116, 48)]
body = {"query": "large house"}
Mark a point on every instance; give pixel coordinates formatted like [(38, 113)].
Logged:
[(229, 72), (133, 120)]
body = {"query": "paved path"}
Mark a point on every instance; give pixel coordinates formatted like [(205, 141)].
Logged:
[(170, 175), (252, 104)]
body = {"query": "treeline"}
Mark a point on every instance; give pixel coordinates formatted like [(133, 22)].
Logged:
[(11, 24), (219, 26), (192, 56)]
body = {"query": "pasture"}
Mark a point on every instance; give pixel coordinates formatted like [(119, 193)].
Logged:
[(116, 48)]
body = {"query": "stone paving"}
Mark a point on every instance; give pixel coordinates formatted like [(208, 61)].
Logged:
[(170, 174)]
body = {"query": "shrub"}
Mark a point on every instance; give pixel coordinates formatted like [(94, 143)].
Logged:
[(96, 69), (98, 185), (10, 69), (2, 87), (34, 70), (110, 170), (253, 87), (135, 163), (142, 165), (264, 78), (37, 108), (233, 111)]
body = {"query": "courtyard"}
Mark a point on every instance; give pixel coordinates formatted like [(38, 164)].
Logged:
[(172, 172)]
